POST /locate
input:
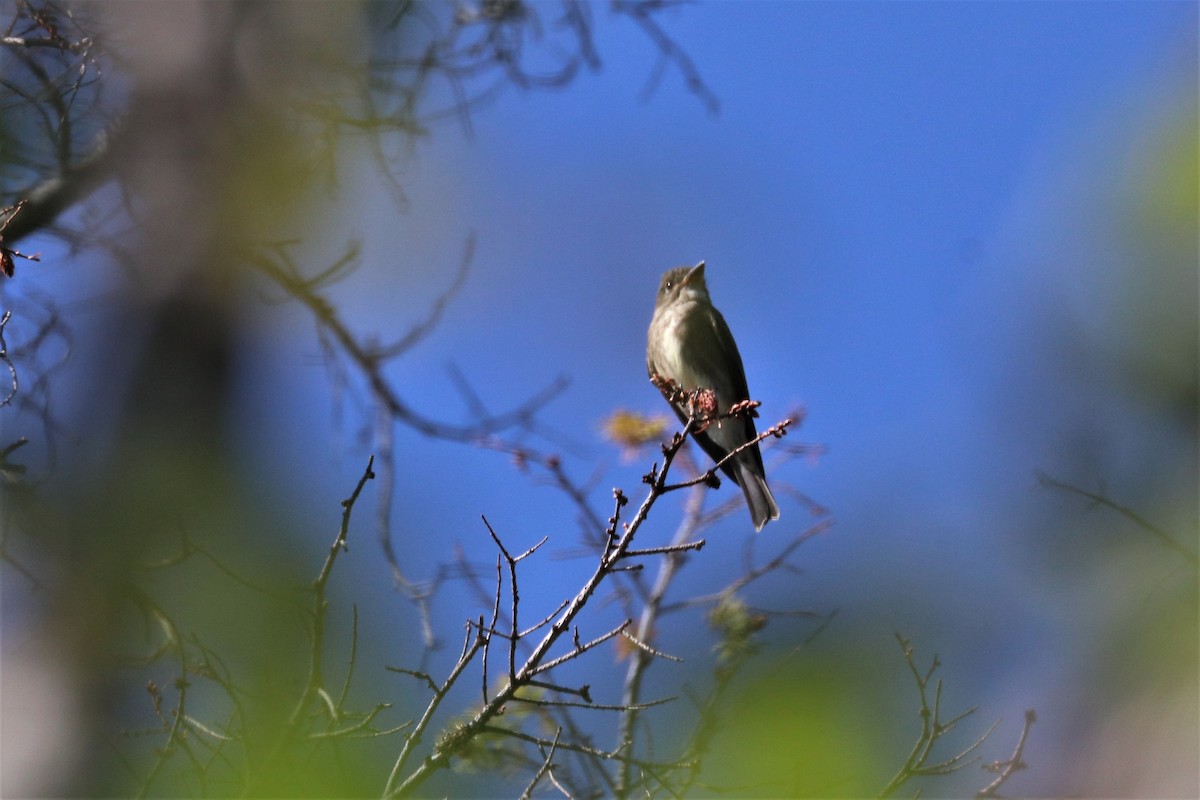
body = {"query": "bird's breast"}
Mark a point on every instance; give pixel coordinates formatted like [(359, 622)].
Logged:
[(673, 340)]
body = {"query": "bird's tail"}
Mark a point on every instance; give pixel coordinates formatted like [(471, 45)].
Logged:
[(758, 497)]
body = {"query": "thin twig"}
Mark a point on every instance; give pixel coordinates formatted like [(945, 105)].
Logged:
[(1006, 769), (320, 606), (536, 661), (528, 793), (439, 694), (1163, 537), (932, 729)]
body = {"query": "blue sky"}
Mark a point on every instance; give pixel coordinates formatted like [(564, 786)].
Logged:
[(910, 212)]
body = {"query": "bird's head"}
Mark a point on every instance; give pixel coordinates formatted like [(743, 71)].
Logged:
[(682, 283)]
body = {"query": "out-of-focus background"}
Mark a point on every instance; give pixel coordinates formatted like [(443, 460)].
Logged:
[(962, 237)]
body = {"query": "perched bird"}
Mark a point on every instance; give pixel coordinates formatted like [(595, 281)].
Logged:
[(690, 344)]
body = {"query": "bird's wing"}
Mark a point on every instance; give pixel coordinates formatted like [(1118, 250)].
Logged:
[(723, 342)]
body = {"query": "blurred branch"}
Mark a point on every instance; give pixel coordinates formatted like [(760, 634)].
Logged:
[(389, 409), (476, 49), (423, 328), (174, 723), (1097, 499), (641, 12), (45, 201), (314, 701), (736, 627), (35, 344), (752, 572), (1006, 769), (371, 358), (488, 46), (52, 59), (609, 755)]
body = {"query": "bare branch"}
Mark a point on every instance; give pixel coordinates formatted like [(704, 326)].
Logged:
[(670, 548), (528, 793), (545, 620), (594, 706), (370, 359), (611, 755), (648, 649), (640, 12), (581, 649), (776, 431), (932, 729), (536, 662)]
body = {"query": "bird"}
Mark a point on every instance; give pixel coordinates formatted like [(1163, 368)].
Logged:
[(690, 344)]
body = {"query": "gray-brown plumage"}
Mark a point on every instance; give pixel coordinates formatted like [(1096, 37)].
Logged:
[(690, 344)]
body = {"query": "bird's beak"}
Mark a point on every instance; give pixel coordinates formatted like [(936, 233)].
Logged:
[(696, 272)]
